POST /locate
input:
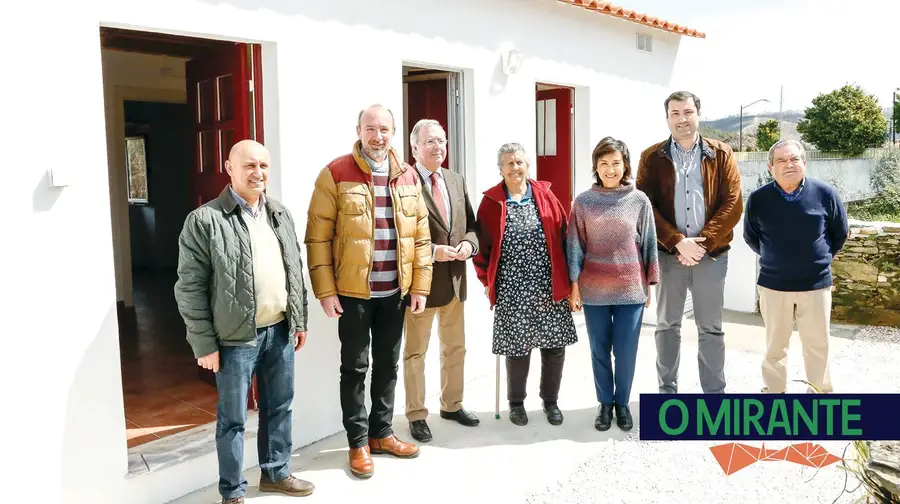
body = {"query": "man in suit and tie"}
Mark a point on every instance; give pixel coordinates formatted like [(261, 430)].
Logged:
[(453, 238)]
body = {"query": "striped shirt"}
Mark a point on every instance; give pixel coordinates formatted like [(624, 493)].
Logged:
[(383, 280)]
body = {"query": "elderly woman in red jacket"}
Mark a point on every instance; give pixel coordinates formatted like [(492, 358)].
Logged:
[(522, 264)]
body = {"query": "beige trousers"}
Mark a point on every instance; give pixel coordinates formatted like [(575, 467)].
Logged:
[(451, 331), (812, 312)]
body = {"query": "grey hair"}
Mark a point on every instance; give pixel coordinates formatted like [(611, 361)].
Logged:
[(784, 142), (511, 148), (421, 125)]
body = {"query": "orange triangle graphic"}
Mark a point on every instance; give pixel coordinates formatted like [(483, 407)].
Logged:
[(732, 457)]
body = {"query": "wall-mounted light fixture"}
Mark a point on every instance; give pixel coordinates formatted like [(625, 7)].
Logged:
[(511, 60)]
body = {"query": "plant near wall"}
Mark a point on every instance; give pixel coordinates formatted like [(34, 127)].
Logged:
[(885, 206), (886, 174), (859, 465)]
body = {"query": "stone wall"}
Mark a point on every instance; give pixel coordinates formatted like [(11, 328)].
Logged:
[(867, 276)]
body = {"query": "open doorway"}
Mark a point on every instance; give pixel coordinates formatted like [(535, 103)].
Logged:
[(430, 93), (175, 106), (555, 114)]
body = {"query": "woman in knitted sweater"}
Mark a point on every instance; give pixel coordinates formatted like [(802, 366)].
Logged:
[(612, 258)]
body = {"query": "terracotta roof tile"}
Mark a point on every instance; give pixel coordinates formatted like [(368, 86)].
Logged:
[(611, 9)]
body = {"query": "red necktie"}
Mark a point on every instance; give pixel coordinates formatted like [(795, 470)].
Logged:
[(438, 197)]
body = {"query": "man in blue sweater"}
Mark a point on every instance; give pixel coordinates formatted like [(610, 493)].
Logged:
[(796, 224)]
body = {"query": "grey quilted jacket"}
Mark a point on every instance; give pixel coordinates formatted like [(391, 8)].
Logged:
[(214, 289)]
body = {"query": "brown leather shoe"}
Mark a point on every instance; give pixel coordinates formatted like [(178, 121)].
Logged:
[(361, 464), (292, 486), (393, 446)]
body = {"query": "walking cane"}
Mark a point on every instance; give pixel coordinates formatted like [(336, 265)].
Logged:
[(497, 388)]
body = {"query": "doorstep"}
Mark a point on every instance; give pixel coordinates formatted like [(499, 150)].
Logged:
[(181, 447)]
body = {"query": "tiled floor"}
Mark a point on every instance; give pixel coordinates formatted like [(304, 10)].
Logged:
[(163, 391)]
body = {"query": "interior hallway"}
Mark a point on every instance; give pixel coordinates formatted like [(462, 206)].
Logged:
[(162, 387)]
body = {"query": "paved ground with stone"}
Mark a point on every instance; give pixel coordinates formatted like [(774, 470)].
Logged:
[(498, 462)]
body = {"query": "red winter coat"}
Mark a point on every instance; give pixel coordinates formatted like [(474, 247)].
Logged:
[(492, 224)]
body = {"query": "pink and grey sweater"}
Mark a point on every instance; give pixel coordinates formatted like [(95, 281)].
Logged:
[(611, 245)]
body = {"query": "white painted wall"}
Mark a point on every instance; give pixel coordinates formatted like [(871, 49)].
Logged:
[(852, 177), (323, 61)]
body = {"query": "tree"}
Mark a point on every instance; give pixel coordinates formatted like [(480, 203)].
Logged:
[(767, 134), (846, 120)]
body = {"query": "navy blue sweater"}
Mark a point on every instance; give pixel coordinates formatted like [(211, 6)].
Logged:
[(796, 240)]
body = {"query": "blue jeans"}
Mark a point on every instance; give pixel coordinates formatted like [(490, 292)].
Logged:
[(272, 359), (613, 330)]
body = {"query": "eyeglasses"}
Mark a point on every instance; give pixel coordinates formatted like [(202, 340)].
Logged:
[(436, 141)]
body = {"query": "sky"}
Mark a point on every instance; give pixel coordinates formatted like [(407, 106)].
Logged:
[(752, 48)]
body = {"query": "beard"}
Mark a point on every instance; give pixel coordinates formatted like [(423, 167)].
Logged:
[(375, 152)]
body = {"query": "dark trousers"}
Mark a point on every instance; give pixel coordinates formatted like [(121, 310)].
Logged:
[(375, 322), (613, 331), (552, 360), (272, 359)]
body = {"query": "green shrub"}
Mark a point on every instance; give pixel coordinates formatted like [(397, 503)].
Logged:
[(886, 174), (884, 207)]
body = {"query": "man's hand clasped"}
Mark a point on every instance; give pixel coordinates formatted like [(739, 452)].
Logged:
[(461, 252), (690, 252)]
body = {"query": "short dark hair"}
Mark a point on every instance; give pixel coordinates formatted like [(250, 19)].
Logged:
[(607, 146), (682, 96)]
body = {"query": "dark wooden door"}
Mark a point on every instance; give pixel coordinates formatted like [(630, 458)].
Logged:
[(225, 105), (427, 99)]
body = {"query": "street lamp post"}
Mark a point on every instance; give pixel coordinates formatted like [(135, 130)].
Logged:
[(894, 116), (741, 132)]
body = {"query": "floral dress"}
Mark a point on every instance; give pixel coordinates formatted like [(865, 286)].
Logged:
[(525, 316)]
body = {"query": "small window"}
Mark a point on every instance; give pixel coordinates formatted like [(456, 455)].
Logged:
[(644, 43), (546, 127), (136, 169)]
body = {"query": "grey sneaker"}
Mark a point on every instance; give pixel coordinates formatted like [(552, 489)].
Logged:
[(292, 486)]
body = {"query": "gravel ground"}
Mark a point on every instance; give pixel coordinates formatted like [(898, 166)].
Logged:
[(641, 471)]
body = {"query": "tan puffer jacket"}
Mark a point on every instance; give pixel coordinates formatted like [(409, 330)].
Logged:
[(340, 228)]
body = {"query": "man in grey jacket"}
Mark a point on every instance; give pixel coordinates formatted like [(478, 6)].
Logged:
[(241, 294)]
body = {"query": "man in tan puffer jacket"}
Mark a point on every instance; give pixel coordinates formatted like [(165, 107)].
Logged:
[(369, 254)]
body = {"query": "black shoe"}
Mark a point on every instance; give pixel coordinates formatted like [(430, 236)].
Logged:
[(420, 431), (462, 417), (623, 417), (604, 417), (554, 415), (517, 415)]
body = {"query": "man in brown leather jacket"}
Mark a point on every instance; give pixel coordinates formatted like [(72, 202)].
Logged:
[(695, 188)]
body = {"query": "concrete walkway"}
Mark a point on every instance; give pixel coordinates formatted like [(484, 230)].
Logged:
[(498, 462)]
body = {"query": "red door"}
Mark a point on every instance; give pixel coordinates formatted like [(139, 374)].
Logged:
[(427, 99), (218, 90), (220, 97), (554, 141)]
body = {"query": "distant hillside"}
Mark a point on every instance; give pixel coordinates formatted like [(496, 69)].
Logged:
[(726, 128), (732, 123)]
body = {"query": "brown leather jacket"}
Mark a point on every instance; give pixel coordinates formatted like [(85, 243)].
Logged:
[(721, 187)]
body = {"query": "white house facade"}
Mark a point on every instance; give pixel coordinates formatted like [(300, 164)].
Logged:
[(315, 65)]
